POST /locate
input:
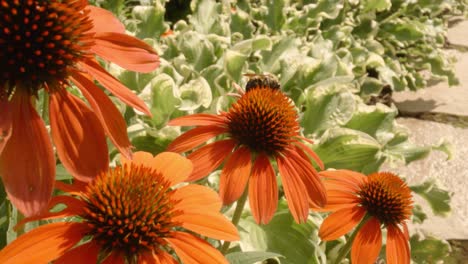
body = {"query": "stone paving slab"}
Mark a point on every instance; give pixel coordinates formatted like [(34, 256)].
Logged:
[(440, 98), (452, 175)]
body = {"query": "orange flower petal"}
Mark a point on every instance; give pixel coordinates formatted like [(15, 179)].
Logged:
[(74, 207), (27, 162), (195, 137), (114, 258), (110, 117), (346, 177), (139, 158), (340, 199), (341, 222), (294, 189), (126, 51), (405, 230), (192, 197), (198, 120), (367, 243), (210, 224), (148, 257), (235, 175), (397, 246), (5, 122), (78, 136), (174, 167), (43, 244), (263, 190), (104, 21), (85, 253), (114, 86), (165, 258), (192, 249), (310, 177), (304, 148), (207, 158)]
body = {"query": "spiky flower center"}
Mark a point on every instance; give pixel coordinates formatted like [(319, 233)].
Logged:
[(264, 120), (39, 39), (129, 209), (386, 197)]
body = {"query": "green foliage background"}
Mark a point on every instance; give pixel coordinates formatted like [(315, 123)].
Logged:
[(339, 60)]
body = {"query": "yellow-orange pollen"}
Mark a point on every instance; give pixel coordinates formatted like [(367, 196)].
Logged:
[(264, 120), (39, 39), (386, 197), (129, 209)]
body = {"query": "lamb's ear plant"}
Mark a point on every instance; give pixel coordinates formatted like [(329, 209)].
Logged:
[(338, 60)]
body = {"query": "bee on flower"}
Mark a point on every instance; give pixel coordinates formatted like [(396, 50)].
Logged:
[(261, 129)]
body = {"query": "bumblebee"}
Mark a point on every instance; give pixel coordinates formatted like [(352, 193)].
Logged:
[(262, 81)]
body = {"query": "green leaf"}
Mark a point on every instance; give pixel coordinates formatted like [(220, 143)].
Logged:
[(234, 63), (282, 236), (194, 94), (438, 199), (275, 16), (342, 148), (376, 5), (375, 120), (151, 20), (160, 94), (326, 107), (250, 257), (428, 250)]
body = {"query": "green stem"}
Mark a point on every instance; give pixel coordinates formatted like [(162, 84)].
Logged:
[(45, 106), (236, 217), (347, 247)]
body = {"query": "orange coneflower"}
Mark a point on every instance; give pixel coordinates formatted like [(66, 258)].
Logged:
[(381, 200), (129, 214), (261, 126), (50, 45)]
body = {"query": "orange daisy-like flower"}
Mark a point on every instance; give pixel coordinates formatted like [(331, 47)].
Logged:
[(129, 214), (386, 201), (262, 126), (50, 45)]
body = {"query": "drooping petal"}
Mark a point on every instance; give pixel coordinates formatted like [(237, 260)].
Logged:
[(125, 51), (192, 249), (148, 257), (210, 224), (294, 189), (308, 174), (198, 120), (367, 244), (5, 122), (263, 190), (304, 148), (44, 244), (110, 117), (114, 258), (85, 253), (207, 158), (405, 230), (78, 136), (27, 162), (114, 86), (350, 178), (104, 21), (191, 197), (398, 251), (339, 199), (195, 137), (74, 207), (75, 188), (174, 167), (235, 175), (165, 258), (341, 222)]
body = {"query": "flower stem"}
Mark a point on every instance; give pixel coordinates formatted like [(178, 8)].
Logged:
[(45, 106), (236, 217), (347, 247)]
